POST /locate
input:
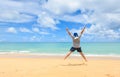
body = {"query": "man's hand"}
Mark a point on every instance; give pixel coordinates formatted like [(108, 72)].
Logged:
[(69, 32), (83, 30), (67, 29)]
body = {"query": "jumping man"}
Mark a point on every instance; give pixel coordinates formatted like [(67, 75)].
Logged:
[(76, 43)]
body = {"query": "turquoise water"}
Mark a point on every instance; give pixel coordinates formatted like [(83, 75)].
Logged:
[(60, 48)]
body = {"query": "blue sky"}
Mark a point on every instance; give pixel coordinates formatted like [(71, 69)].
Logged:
[(46, 20)]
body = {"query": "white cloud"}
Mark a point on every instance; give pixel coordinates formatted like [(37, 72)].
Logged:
[(36, 38), (33, 38), (59, 7), (46, 21), (99, 33), (13, 11), (104, 15), (22, 29), (37, 30), (11, 30), (21, 11)]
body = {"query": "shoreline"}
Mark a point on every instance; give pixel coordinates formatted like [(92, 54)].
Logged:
[(109, 57)]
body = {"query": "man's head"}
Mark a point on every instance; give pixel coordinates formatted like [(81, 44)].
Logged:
[(75, 35)]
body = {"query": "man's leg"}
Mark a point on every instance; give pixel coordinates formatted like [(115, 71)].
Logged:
[(83, 56), (67, 55)]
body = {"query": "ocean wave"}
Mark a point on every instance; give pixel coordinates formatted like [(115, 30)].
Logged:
[(24, 51), (57, 54), (13, 52)]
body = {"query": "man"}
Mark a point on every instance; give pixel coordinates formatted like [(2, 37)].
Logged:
[(76, 43)]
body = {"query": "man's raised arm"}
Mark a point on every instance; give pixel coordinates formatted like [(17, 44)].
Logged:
[(82, 31), (69, 32)]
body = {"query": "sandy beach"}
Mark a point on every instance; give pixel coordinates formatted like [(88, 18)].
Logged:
[(24, 66)]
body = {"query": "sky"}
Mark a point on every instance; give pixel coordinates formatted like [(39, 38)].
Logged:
[(47, 20)]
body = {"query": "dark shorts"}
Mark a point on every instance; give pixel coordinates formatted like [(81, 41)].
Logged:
[(73, 49)]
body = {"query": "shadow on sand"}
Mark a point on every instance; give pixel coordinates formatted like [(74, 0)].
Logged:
[(81, 64)]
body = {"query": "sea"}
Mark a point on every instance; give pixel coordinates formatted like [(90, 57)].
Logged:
[(60, 48)]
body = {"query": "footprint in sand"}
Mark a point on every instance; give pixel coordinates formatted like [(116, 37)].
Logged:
[(108, 75), (2, 72)]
